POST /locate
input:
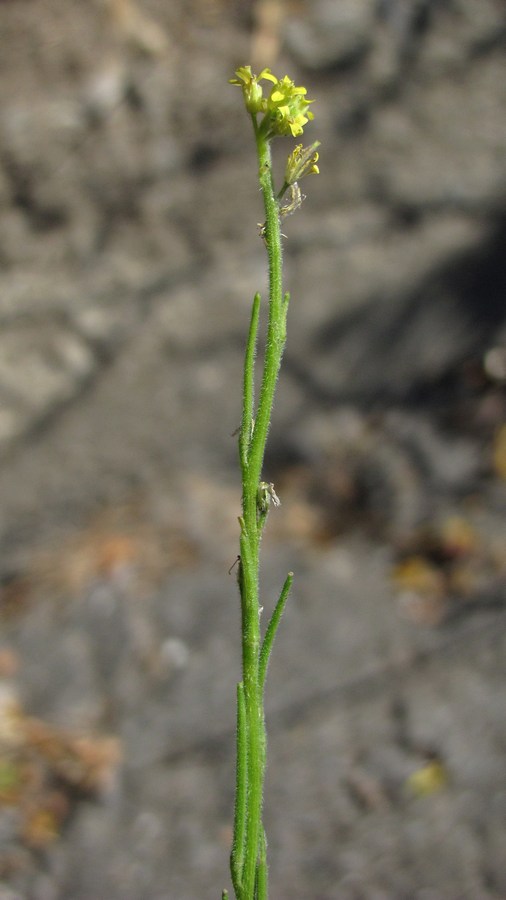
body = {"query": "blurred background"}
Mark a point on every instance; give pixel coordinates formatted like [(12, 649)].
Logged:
[(129, 256)]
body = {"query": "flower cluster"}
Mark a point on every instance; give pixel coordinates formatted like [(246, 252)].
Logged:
[(285, 110)]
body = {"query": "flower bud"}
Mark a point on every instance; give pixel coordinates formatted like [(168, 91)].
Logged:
[(251, 89)]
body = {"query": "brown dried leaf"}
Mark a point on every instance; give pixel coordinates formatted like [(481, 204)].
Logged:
[(417, 574), (265, 43), (457, 537), (138, 28), (40, 829), (499, 452), (84, 763)]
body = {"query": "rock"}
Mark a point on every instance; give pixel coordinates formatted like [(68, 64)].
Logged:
[(332, 35), (41, 368)]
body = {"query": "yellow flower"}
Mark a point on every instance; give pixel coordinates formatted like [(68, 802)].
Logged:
[(251, 89), (285, 110)]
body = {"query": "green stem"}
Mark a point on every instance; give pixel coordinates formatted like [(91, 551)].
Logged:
[(276, 330), (248, 858), (237, 855), (248, 583)]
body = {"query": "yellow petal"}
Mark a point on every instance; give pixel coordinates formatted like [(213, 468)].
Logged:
[(429, 779)]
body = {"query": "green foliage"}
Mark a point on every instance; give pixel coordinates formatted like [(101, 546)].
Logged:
[(283, 112)]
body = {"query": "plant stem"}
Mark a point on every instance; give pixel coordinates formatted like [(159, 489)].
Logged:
[(276, 332), (248, 858)]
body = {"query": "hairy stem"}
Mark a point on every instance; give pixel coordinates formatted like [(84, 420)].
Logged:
[(276, 332), (248, 858)]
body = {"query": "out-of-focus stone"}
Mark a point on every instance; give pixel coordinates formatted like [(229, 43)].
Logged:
[(40, 368), (332, 34)]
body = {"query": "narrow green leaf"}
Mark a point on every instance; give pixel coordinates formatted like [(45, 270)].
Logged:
[(241, 793), (272, 628), (262, 874), (249, 384)]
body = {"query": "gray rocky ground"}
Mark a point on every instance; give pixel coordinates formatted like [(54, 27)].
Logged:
[(129, 255)]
